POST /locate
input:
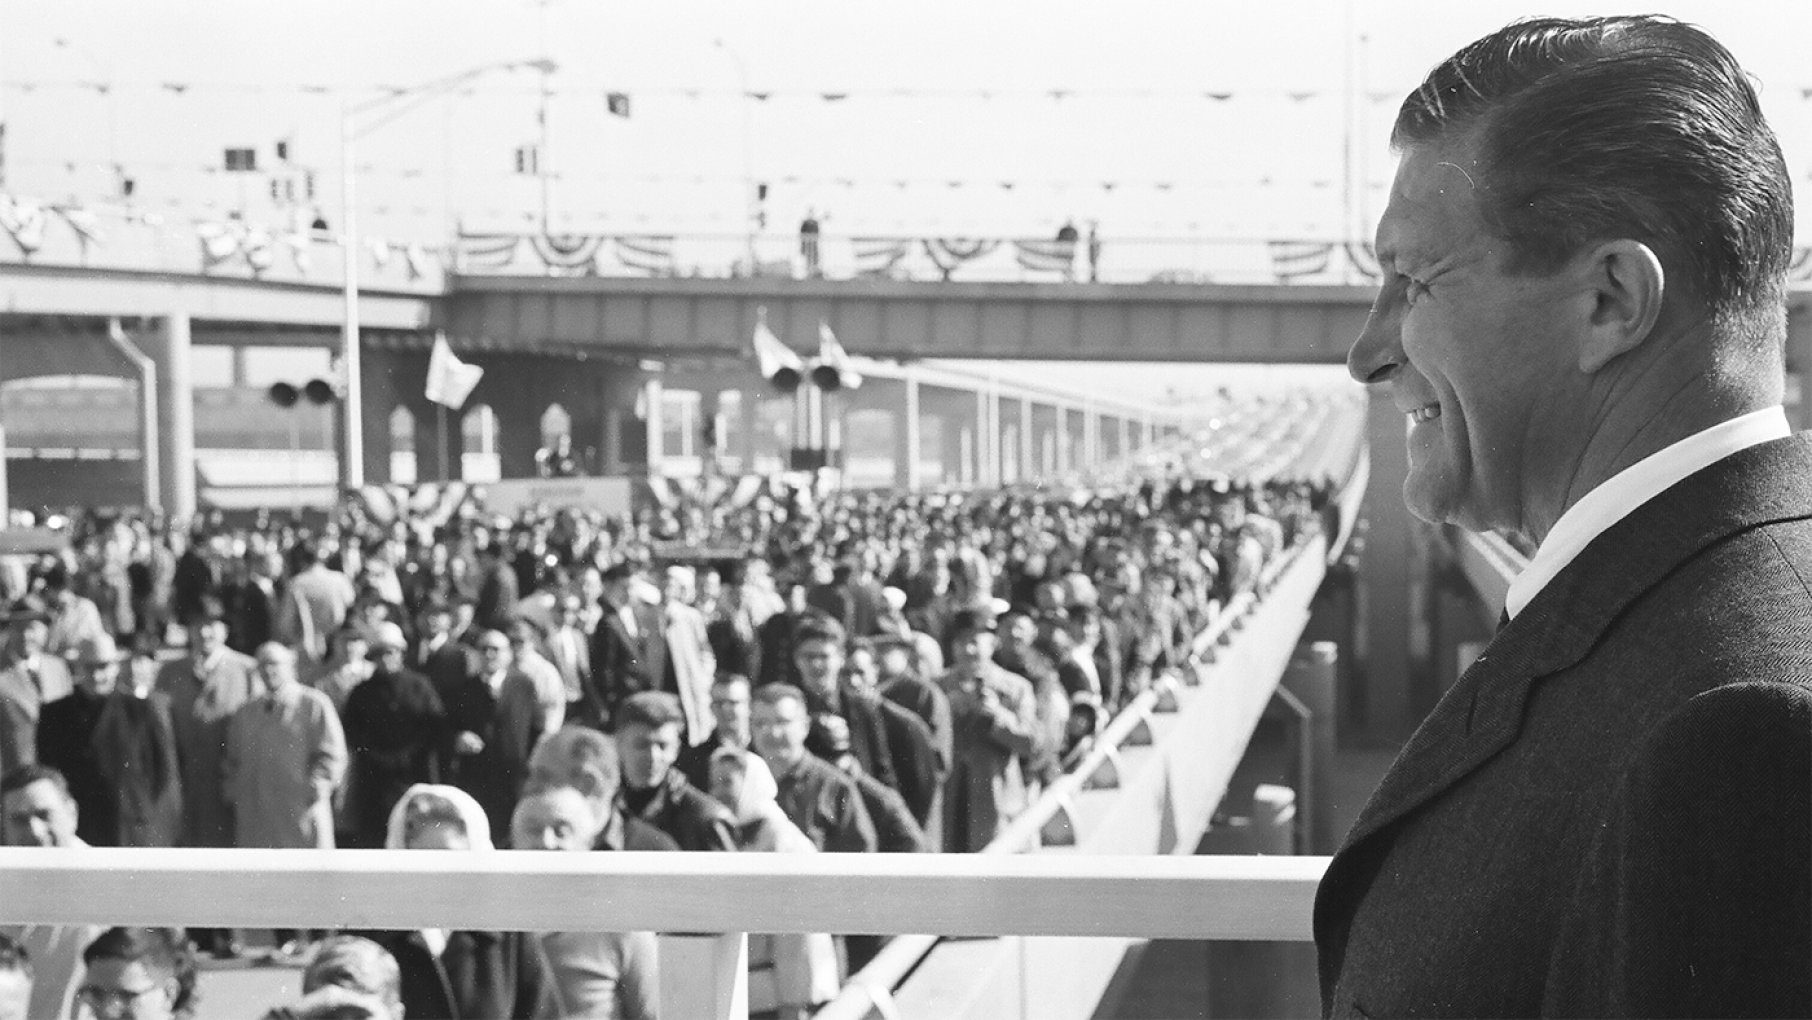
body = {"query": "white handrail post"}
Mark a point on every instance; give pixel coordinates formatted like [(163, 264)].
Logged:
[(705, 976)]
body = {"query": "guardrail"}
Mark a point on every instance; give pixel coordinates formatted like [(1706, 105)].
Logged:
[(1000, 892), (1054, 819)]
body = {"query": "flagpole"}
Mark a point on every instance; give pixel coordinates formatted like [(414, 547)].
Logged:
[(441, 412)]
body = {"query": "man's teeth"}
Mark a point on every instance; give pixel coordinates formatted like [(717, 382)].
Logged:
[(1422, 414)]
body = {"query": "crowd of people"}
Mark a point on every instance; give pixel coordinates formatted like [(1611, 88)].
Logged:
[(792, 672)]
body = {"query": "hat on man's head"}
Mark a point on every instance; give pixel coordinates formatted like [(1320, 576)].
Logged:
[(27, 610), (387, 635), (99, 650), (971, 621), (211, 610), (894, 597)]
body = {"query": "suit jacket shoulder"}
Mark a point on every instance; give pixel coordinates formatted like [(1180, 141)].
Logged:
[(1514, 825)]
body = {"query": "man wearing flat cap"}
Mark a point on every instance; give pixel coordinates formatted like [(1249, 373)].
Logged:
[(1582, 321)]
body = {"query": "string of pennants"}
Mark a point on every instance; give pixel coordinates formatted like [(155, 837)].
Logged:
[(224, 244), (617, 101)]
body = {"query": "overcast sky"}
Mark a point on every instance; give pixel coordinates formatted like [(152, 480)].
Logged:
[(1201, 119), (1158, 119)]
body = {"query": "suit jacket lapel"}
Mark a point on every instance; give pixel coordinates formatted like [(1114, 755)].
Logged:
[(1482, 713)]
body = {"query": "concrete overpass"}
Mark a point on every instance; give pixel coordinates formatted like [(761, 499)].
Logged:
[(624, 357)]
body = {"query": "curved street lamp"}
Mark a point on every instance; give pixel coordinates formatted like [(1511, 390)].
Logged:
[(353, 123)]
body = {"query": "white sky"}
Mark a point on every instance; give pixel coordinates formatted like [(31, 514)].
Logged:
[(1136, 77), (1267, 161)]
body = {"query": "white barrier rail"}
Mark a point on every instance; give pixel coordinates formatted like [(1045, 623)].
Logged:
[(1267, 898)]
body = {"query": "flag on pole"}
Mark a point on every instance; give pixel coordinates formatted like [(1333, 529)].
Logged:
[(832, 356), (450, 380), (779, 363)]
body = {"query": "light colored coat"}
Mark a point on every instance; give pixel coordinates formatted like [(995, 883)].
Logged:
[(985, 788), (314, 606), (285, 757), (694, 667), (20, 700), (203, 699)]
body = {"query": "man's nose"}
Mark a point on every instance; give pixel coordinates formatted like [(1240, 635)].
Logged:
[(1377, 353)]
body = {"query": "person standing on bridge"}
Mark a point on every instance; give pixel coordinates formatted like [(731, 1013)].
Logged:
[(1584, 262)]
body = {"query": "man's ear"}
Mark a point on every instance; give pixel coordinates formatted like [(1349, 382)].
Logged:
[(1626, 285)]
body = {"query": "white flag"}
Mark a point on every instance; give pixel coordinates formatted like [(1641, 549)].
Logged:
[(771, 353), (831, 353), (450, 380)]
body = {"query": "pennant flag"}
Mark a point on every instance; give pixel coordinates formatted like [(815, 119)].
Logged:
[(617, 104), (833, 372), (23, 219), (779, 363), (651, 253), (450, 380)]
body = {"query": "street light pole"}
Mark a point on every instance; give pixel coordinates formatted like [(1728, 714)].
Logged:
[(352, 404)]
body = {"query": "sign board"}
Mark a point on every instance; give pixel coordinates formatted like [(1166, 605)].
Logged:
[(610, 496)]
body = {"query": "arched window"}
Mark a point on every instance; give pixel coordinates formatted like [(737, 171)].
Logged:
[(402, 446), (480, 462), (555, 422)]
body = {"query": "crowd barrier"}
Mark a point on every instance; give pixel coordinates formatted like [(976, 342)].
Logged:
[(1137, 792)]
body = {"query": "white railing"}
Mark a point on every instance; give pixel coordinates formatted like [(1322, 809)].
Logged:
[(1228, 715), (718, 898), (722, 896)]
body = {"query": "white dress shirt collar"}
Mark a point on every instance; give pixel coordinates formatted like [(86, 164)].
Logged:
[(1635, 485)]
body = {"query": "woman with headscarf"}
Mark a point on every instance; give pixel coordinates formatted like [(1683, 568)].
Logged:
[(461, 974), (800, 969)]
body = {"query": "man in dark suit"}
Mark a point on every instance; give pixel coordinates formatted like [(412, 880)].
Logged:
[(498, 590), (1610, 813), (628, 651)]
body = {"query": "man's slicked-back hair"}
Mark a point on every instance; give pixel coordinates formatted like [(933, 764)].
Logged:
[(1636, 127)]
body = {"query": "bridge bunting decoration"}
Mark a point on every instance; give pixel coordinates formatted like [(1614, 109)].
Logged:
[(949, 253), (879, 257), (1046, 256), (572, 252)]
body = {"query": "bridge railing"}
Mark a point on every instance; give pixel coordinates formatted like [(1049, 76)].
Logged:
[(1222, 697), (704, 976)]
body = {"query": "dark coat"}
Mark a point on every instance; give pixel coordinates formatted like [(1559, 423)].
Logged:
[(498, 594), (623, 664), (135, 745), (1610, 813), (483, 975), (395, 736), (690, 816), (66, 743), (896, 830), (823, 801)]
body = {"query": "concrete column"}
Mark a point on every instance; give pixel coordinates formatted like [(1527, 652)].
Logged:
[(1123, 434), (1063, 439), (906, 464), (984, 440), (1384, 669), (651, 395), (1028, 438), (169, 348), (384, 377)]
